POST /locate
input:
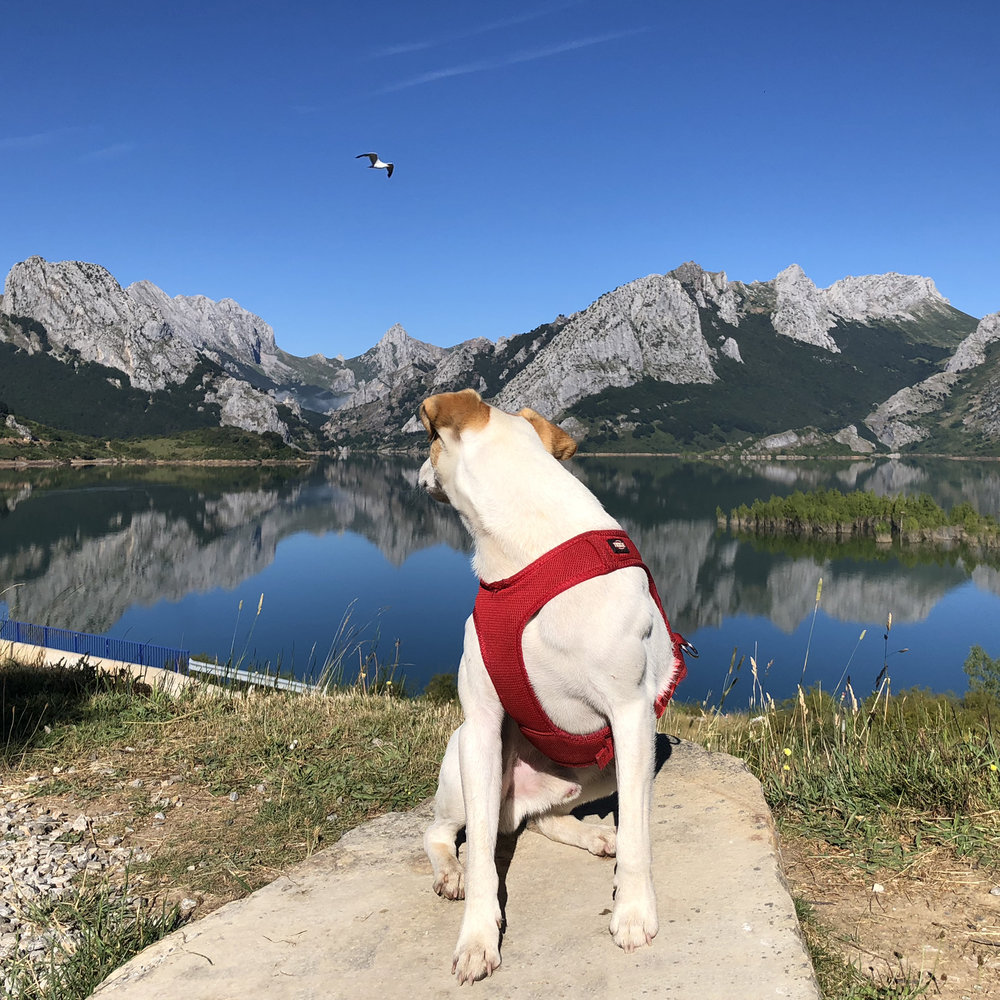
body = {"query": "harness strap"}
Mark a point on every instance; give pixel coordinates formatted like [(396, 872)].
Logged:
[(505, 607)]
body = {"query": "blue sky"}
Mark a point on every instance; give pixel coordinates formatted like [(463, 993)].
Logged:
[(544, 153)]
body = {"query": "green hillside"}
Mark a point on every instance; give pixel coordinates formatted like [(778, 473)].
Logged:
[(781, 384), (76, 399), (84, 397)]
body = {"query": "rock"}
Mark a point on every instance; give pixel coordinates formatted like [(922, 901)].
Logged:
[(731, 349), (39, 868), (883, 296), (972, 351), (246, 407), (779, 442), (19, 429), (850, 438), (157, 341), (802, 312), (898, 421), (649, 328)]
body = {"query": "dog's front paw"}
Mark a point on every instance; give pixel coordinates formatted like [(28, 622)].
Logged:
[(476, 957), (633, 924)]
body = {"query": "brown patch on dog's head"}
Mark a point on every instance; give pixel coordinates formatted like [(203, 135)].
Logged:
[(557, 442), (457, 411)]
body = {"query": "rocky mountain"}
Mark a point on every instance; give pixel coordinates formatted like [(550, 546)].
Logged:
[(677, 360), (690, 358)]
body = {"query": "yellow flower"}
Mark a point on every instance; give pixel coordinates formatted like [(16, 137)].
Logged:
[(788, 753), (787, 767), (993, 767)]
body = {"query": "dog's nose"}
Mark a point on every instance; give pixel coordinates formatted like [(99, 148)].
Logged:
[(428, 479)]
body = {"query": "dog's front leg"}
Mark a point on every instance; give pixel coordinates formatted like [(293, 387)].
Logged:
[(480, 748), (633, 919)]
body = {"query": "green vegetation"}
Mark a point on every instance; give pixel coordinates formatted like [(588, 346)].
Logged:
[(781, 383), (880, 788), (202, 445), (95, 400), (305, 769), (983, 672), (887, 784), (220, 444), (50, 445), (863, 514), (883, 787)]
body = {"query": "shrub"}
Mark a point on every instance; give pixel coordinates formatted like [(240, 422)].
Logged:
[(442, 689), (983, 672)]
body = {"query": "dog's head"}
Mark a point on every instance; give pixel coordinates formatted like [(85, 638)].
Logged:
[(461, 427)]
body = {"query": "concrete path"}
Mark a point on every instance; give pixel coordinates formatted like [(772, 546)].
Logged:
[(359, 921)]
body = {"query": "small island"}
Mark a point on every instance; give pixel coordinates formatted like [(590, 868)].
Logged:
[(834, 515)]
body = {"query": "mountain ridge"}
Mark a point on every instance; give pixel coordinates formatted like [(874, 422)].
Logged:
[(667, 360)]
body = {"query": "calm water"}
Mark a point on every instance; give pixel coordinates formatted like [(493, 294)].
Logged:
[(170, 556)]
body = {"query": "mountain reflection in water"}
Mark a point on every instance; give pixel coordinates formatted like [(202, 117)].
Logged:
[(181, 557)]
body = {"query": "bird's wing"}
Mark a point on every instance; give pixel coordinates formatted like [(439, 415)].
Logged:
[(388, 170), (371, 156)]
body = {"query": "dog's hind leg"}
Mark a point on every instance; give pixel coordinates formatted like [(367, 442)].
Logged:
[(567, 829), (532, 790)]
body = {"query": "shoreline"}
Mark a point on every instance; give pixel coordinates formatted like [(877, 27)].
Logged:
[(310, 458)]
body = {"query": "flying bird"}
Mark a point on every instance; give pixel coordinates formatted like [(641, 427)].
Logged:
[(376, 162)]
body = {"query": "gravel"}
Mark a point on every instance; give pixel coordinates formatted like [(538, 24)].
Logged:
[(42, 851)]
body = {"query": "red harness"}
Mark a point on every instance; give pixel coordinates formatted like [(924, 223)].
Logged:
[(504, 608)]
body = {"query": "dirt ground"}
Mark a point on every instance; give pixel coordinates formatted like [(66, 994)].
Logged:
[(936, 919), (935, 922)]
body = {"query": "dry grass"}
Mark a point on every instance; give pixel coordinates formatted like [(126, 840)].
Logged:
[(226, 792), (222, 793)]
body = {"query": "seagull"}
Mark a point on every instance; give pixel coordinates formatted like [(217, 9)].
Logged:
[(376, 162)]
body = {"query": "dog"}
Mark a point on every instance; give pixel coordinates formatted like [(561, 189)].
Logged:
[(595, 664)]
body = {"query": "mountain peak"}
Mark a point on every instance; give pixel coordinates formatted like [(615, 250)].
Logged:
[(688, 273), (883, 296), (396, 334)]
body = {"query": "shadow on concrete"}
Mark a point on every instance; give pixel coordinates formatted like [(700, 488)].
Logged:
[(607, 805)]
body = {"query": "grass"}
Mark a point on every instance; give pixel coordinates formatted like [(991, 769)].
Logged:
[(248, 783), (862, 513), (251, 782), (110, 926), (886, 783)]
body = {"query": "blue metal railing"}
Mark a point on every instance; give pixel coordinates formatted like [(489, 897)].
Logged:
[(145, 654)]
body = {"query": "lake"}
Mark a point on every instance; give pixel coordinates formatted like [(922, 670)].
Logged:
[(352, 553)]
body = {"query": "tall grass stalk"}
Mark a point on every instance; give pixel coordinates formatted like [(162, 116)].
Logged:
[(812, 625), (893, 769)]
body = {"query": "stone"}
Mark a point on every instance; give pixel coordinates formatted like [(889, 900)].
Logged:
[(361, 919), (38, 870), (972, 351)]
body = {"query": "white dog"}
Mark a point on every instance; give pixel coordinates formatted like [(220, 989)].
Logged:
[(594, 666)]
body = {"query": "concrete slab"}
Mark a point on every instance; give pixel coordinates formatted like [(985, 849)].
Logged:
[(360, 919)]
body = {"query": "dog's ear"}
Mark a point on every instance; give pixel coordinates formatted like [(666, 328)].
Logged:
[(456, 410), (555, 439)]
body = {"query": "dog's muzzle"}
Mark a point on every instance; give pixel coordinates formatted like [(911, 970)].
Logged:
[(429, 481)]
